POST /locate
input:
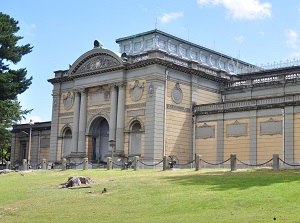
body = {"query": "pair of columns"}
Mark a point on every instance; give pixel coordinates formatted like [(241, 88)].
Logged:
[(79, 121), (116, 122), (117, 114)]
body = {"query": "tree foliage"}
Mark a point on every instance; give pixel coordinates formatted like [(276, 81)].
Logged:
[(12, 82)]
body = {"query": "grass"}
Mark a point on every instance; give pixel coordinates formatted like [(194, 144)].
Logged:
[(218, 195)]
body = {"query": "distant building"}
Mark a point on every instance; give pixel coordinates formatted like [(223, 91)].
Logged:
[(168, 96)]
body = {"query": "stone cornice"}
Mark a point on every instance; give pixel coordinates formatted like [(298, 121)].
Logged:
[(159, 58), (247, 105)]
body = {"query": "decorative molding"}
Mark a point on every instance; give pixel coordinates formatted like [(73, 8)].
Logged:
[(139, 105), (68, 100), (271, 127), (151, 90), (136, 91), (205, 131), (98, 110), (66, 120), (135, 113), (55, 102), (177, 94), (66, 114), (98, 62), (236, 129), (178, 108)]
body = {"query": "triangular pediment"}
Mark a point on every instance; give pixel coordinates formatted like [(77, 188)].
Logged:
[(96, 59)]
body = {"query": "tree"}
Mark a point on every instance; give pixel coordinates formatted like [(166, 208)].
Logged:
[(12, 82)]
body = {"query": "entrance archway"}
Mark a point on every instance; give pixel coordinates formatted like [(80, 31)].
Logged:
[(100, 139)]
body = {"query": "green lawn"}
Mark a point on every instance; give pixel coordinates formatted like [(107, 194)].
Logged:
[(210, 195)]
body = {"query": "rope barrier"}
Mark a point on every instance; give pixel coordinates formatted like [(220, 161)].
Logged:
[(116, 164), (255, 164), (185, 163), (215, 163), (151, 164), (288, 163)]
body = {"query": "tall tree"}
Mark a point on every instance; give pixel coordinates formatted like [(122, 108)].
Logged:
[(12, 82)]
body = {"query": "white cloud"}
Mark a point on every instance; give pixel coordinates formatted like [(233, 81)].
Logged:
[(28, 29), (292, 39), (242, 9), (240, 39), (168, 17), (261, 33)]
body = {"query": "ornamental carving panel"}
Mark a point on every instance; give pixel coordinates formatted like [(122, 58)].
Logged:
[(68, 100), (136, 90), (271, 127), (99, 62), (177, 94), (236, 129), (205, 131)]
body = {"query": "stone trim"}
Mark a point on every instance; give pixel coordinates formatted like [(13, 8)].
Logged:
[(178, 108), (138, 105), (247, 105)]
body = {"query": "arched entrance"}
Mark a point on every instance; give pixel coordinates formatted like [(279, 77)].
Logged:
[(100, 139), (67, 142), (135, 138)]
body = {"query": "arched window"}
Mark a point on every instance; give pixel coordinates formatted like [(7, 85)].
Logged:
[(67, 142), (135, 139)]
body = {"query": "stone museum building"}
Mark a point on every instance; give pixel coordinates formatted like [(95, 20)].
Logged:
[(166, 96)]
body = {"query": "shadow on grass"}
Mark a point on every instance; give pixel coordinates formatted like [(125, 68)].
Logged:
[(216, 180)]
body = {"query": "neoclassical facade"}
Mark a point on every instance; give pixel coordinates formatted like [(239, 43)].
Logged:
[(168, 96)]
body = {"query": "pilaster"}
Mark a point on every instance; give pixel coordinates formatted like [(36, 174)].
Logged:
[(113, 112), (120, 118), (76, 121), (82, 122)]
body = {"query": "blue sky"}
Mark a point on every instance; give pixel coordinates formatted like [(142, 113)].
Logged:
[(256, 31)]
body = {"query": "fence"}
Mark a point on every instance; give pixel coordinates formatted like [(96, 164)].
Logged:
[(168, 162)]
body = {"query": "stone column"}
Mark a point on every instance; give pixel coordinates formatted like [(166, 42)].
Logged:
[(275, 162), (75, 122), (120, 118), (233, 162), (113, 112), (82, 122)]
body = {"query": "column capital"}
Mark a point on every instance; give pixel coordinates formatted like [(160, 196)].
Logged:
[(112, 86), (121, 84), (79, 90)]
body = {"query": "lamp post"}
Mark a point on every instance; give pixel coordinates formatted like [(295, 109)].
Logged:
[(29, 144)]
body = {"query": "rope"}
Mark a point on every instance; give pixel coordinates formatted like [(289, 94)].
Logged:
[(254, 164), (116, 164), (185, 163), (215, 163), (151, 164), (288, 163)]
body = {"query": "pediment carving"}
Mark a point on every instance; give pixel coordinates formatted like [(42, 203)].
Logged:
[(95, 61), (99, 62)]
